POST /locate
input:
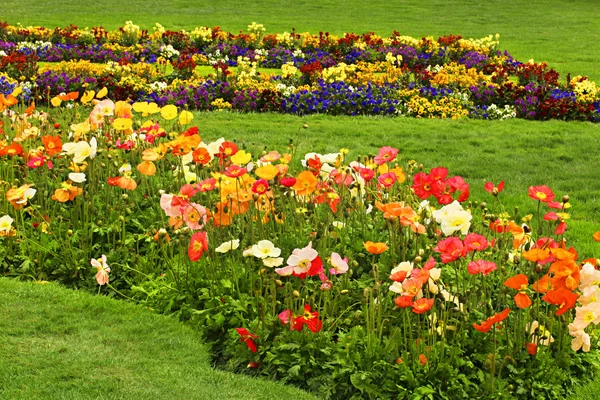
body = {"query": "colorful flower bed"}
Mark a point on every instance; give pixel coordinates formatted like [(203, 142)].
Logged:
[(374, 278), (447, 77)]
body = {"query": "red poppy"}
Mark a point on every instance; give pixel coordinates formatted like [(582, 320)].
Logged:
[(450, 249), (198, 245), (113, 181), (563, 298), (288, 181), (531, 348), (489, 187), (247, 338), (13, 149), (541, 193), (314, 164), (308, 318), (423, 185), (520, 283), (227, 149), (260, 186), (560, 228), (235, 171), (422, 305), (206, 185), (474, 241), (366, 173)]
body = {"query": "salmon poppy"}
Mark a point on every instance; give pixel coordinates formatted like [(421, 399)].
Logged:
[(422, 305), (127, 183), (387, 179), (520, 283), (386, 154), (404, 301), (482, 267)]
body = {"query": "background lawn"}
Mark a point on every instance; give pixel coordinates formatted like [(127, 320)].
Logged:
[(62, 344), (563, 33)]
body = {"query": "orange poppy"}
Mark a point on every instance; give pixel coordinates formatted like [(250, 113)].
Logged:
[(7, 101), (147, 168), (13, 149), (127, 183), (597, 236), (67, 192), (486, 325), (563, 298), (536, 254), (52, 144), (306, 183), (422, 305), (69, 96), (201, 156), (375, 247), (520, 283)]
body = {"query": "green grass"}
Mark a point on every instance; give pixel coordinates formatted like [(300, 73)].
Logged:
[(522, 153), (61, 344), (563, 33)]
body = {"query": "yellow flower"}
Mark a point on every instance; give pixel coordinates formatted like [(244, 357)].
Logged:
[(103, 92), (185, 117), (146, 108), (267, 172), (81, 128), (168, 112), (241, 158), (87, 96), (56, 101), (122, 124), (18, 90)]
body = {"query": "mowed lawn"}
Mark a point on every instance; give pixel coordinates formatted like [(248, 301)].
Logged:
[(61, 344), (563, 33)]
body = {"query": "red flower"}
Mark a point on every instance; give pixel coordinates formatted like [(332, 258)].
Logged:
[(541, 193), (247, 338), (113, 181), (422, 305), (486, 325), (288, 181), (386, 154), (489, 187), (450, 249), (227, 149), (366, 173), (308, 318), (235, 171), (423, 185), (482, 267), (561, 228), (198, 245), (474, 241), (531, 348), (260, 186)]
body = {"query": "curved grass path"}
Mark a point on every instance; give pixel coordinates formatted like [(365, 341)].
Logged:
[(57, 343)]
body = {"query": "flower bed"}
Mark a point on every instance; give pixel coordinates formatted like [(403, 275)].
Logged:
[(447, 77), (369, 278)]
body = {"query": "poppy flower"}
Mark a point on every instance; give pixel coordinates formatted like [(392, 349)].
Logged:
[(13, 149), (198, 245), (531, 348), (450, 249), (260, 186), (102, 268), (489, 187), (482, 267), (235, 171), (520, 283), (474, 241), (227, 149), (563, 298), (422, 305), (306, 183), (247, 338), (308, 318), (201, 156), (375, 247), (147, 168), (486, 325), (387, 179), (386, 154), (288, 181), (52, 145), (404, 301), (541, 193), (597, 236)]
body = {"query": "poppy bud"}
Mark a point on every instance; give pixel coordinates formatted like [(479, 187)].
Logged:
[(565, 198), (483, 205), (305, 126), (538, 269), (278, 282), (418, 259), (344, 291), (296, 293), (125, 196), (70, 232), (495, 192)]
